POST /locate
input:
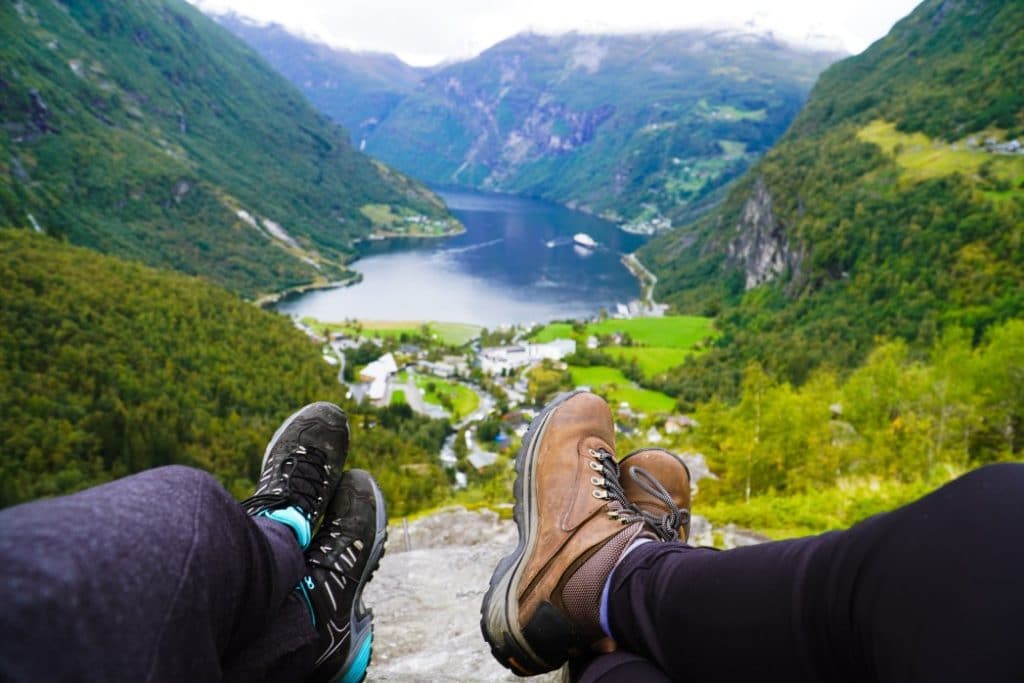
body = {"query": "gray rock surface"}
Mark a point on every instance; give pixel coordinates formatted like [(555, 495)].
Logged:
[(426, 599), (426, 596), (761, 245)]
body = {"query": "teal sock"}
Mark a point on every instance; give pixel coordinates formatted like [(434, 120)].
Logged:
[(296, 520), (305, 585)]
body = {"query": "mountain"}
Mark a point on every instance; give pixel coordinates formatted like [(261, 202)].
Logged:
[(357, 89), (636, 127), (110, 367), (145, 130), (892, 207)]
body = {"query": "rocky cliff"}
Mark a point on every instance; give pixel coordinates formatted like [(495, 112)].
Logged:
[(761, 245)]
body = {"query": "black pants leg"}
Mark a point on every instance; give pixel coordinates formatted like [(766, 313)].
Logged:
[(933, 591), (158, 576)]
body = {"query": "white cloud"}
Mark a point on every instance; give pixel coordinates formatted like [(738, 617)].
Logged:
[(429, 32)]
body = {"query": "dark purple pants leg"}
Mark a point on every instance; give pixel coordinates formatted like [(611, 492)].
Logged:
[(617, 667), (160, 576), (933, 591)]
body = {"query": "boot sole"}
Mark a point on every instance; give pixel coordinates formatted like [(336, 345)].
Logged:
[(360, 654), (499, 614)]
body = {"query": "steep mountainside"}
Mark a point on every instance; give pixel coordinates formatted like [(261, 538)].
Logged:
[(644, 128), (894, 205), (357, 89), (109, 367), (145, 130)]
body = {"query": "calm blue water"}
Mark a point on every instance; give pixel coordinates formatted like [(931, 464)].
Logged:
[(516, 263)]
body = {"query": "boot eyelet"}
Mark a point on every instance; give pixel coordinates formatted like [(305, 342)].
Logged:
[(600, 493), (596, 466), (598, 481)]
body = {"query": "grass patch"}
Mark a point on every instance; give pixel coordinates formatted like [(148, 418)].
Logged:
[(615, 386), (551, 332), (380, 214), (923, 158), (673, 331), (669, 332), (450, 334), (732, 148), (398, 397), (728, 112), (462, 399), (653, 360)]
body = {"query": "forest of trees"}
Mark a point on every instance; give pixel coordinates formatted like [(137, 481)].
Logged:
[(899, 424), (109, 368)]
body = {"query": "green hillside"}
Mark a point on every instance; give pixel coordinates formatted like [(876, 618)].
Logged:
[(144, 130), (892, 208), (109, 368)]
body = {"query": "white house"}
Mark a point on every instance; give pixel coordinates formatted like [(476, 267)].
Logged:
[(494, 360), (382, 368), (378, 389)]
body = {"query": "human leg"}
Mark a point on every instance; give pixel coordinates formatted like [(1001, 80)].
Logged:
[(931, 591), (340, 562), (616, 667), (163, 576), (157, 576)]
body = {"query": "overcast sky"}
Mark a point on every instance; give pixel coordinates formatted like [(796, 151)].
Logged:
[(425, 32)]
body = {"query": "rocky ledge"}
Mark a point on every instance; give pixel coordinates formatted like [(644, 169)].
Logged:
[(426, 596)]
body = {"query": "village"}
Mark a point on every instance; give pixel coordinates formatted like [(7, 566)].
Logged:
[(489, 385)]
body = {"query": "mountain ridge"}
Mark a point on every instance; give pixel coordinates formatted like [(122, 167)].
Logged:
[(642, 128), (145, 130)]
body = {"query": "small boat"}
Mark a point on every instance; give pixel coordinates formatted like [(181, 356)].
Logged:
[(584, 240)]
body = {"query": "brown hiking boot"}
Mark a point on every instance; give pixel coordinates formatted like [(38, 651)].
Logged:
[(543, 603), (657, 483)]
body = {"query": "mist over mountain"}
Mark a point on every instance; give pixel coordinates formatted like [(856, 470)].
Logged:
[(357, 89), (646, 129), (145, 130)]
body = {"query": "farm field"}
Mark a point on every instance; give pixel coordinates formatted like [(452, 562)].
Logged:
[(450, 334), (616, 387), (673, 331), (463, 399), (657, 344)]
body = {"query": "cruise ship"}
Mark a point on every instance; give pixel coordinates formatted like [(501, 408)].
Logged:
[(584, 240)]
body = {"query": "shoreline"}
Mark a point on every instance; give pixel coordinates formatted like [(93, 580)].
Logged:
[(381, 236), (271, 298), (648, 280), (268, 300)]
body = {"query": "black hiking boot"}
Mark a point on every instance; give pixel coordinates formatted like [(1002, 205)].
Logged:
[(301, 468), (341, 561)]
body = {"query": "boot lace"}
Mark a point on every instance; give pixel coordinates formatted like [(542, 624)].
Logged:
[(301, 480), (665, 526), (608, 487)]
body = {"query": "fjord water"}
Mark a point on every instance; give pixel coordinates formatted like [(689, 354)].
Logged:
[(516, 263)]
